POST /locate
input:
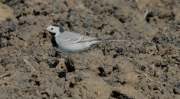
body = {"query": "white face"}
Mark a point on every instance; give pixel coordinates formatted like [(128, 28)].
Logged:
[(53, 29)]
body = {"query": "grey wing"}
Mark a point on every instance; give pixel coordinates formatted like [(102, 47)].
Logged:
[(88, 39), (70, 38)]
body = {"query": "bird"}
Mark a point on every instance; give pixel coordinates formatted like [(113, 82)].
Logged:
[(73, 42)]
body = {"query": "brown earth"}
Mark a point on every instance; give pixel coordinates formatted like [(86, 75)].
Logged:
[(146, 66)]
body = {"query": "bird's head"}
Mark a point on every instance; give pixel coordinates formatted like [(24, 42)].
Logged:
[(56, 29)]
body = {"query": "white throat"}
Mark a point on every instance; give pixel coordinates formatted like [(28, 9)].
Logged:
[(57, 33)]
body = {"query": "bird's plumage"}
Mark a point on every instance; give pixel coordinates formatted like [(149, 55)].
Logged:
[(72, 42)]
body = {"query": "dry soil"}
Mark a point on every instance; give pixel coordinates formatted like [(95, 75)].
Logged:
[(145, 66)]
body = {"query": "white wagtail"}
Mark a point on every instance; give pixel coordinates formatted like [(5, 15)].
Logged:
[(72, 42)]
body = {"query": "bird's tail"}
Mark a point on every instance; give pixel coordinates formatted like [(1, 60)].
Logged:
[(111, 39)]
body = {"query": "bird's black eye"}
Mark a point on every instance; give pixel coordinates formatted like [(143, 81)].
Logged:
[(51, 28)]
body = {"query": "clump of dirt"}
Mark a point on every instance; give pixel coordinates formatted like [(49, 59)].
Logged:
[(145, 66)]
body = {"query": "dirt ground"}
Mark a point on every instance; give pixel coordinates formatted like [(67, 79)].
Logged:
[(146, 66)]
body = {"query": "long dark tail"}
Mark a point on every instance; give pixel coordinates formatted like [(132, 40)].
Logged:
[(111, 39)]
